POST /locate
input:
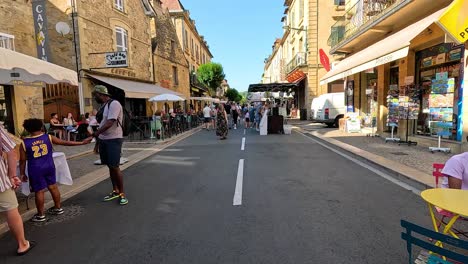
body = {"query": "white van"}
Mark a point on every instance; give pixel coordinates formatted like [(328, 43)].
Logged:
[(328, 108)]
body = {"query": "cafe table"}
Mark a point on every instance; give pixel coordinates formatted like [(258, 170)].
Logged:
[(62, 171), (452, 200)]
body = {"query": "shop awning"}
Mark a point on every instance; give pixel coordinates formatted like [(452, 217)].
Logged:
[(18, 67), (272, 87), (134, 89), (207, 99), (391, 48)]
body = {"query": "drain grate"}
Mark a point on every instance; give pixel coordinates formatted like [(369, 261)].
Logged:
[(69, 213), (399, 153)]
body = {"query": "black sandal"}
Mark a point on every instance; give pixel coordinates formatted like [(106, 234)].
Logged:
[(32, 244)]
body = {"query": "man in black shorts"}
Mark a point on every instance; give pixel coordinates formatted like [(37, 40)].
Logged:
[(207, 116)]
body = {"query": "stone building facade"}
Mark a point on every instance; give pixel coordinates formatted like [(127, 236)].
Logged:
[(115, 25), (171, 69), (295, 56), (195, 47)]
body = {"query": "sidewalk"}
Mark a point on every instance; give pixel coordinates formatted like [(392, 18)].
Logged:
[(414, 162), (85, 174)]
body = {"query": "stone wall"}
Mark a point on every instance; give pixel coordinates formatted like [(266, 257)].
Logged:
[(97, 22), (17, 20), (169, 54), (27, 103)]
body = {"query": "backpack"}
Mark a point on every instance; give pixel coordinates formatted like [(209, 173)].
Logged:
[(126, 120)]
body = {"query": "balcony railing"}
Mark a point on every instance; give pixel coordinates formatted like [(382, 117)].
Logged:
[(359, 14), (299, 60)]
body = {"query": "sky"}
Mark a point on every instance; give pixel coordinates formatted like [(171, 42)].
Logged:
[(240, 34)]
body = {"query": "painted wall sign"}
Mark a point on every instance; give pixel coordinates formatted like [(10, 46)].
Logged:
[(40, 27), (116, 59)]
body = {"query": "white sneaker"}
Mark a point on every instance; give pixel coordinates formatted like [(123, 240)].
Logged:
[(235, 127), (93, 140)]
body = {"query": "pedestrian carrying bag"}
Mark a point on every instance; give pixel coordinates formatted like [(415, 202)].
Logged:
[(125, 123)]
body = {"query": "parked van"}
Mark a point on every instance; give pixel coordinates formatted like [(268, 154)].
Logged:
[(328, 109)]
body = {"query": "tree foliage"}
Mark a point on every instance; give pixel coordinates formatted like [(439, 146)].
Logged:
[(211, 74), (233, 95)]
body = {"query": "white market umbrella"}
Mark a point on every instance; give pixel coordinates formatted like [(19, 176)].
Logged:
[(166, 98)]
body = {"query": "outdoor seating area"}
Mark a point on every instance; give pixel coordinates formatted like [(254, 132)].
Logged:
[(162, 127)]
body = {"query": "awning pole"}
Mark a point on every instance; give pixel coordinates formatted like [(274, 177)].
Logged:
[(80, 97)]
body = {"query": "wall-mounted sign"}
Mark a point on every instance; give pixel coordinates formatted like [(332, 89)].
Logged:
[(123, 72), (40, 26), (116, 59), (409, 80)]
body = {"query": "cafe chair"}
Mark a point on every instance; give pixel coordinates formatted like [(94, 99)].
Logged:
[(48, 129), (81, 132), (418, 235), (437, 173)]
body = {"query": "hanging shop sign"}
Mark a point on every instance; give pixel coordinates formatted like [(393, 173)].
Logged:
[(324, 60), (40, 27), (455, 20), (116, 59)]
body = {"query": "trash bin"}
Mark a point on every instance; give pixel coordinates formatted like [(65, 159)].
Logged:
[(303, 114)]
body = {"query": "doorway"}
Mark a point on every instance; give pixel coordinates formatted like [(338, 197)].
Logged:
[(6, 108)]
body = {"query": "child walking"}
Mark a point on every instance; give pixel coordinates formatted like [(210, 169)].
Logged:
[(37, 150)]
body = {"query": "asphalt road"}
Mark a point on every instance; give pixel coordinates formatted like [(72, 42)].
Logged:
[(301, 203)]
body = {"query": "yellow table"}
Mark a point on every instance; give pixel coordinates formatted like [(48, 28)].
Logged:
[(452, 200)]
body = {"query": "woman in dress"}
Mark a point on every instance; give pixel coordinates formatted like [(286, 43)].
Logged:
[(221, 122)]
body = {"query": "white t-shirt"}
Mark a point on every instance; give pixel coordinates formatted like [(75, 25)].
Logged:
[(112, 111), (207, 112)]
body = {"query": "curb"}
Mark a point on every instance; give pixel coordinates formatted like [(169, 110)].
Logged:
[(420, 178), (91, 179)]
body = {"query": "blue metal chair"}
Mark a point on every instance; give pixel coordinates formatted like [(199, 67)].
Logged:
[(442, 253)]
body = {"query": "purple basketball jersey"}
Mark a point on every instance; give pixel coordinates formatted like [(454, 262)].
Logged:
[(39, 154)]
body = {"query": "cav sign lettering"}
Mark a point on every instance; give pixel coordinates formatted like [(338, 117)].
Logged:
[(116, 59), (455, 20), (40, 26)]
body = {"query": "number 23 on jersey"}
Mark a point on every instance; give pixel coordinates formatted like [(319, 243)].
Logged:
[(40, 150)]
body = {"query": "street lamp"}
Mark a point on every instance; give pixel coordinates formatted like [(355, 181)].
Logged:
[(297, 29)]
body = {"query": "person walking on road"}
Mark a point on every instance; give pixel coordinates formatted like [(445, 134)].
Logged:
[(37, 150), (235, 114), (9, 181), (110, 135), (207, 116), (221, 122)]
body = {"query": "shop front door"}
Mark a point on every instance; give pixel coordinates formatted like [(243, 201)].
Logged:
[(62, 99)]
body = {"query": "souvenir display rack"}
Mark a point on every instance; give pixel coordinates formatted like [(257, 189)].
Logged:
[(408, 108), (393, 115)]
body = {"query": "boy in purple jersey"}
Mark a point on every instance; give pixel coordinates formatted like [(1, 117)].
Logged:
[(37, 150)]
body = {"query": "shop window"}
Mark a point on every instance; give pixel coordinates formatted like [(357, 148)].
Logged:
[(7, 41), (439, 81), (301, 9), (175, 75), (339, 2), (121, 37), (172, 47), (119, 5), (192, 46)]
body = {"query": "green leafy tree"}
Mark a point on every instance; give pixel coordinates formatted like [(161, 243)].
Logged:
[(244, 97), (211, 74), (233, 95)]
